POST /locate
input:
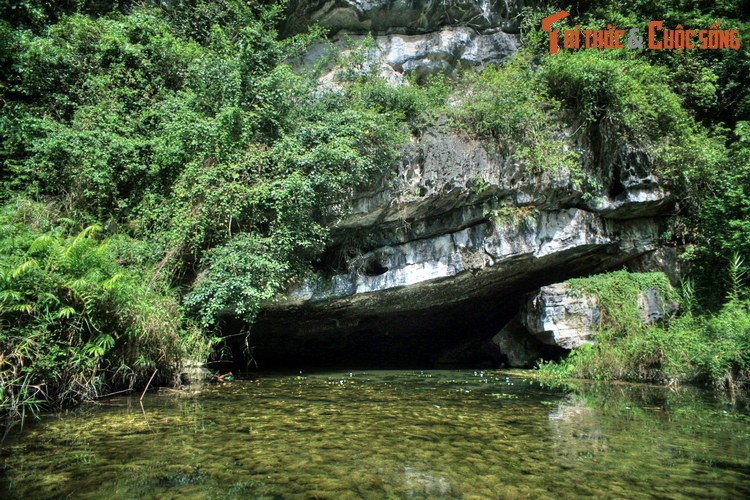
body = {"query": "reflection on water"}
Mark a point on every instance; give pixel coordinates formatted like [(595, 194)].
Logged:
[(437, 434)]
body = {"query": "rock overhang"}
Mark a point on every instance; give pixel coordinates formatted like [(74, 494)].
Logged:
[(460, 228)]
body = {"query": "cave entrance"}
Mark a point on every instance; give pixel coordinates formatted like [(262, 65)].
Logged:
[(453, 336), (453, 329)]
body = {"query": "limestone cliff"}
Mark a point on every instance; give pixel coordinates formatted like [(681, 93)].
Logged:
[(423, 36), (460, 232)]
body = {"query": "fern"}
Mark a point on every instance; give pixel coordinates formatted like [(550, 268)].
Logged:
[(737, 275), (73, 318)]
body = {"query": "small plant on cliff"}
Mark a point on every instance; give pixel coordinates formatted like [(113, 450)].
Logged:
[(518, 218), (512, 105)]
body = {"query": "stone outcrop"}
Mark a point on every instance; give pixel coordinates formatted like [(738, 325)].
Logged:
[(439, 220), (424, 36), (482, 253), (459, 234), (403, 16), (515, 347), (393, 56), (558, 316)]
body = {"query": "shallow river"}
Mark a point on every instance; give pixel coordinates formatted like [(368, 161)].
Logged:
[(386, 434)]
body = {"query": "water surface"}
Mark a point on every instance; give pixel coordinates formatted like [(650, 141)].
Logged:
[(406, 434)]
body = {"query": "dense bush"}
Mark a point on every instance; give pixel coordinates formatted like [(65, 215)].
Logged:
[(75, 321), (198, 158), (688, 110), (513, 106)]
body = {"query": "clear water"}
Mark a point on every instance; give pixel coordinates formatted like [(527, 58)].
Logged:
[(437, 434)]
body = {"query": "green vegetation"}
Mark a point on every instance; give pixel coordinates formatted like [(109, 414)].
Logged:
[(76, 317), (688, 112), (513, 105), (205, 170), (693, 347), (163, 169), (617, 294), (619, 101)]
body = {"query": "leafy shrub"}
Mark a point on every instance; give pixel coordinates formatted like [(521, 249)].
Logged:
[(629, 101), (513, 106), (617, 294), (183, 126), (73, 320)]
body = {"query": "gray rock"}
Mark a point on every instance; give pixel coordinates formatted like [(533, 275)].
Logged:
[(403, 16), (556, 316), (486, 249), (448, 181), (662, 260), (653, 308), (516, 347), (393, 56)]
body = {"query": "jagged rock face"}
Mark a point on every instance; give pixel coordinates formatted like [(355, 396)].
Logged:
[(441, 51), (514, 346), (413, 36), (439, 220), (403, 16), (559, 316), (449, 181), (664, 260), (447, 267), (485, 251)]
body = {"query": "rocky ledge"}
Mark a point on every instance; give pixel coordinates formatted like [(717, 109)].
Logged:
[(456, 238), (403, 16), (412, 36), (556, 316), (430, 264)]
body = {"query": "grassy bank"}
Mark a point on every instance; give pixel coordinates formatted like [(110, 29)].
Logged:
[(696, 346), (78, 318)]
